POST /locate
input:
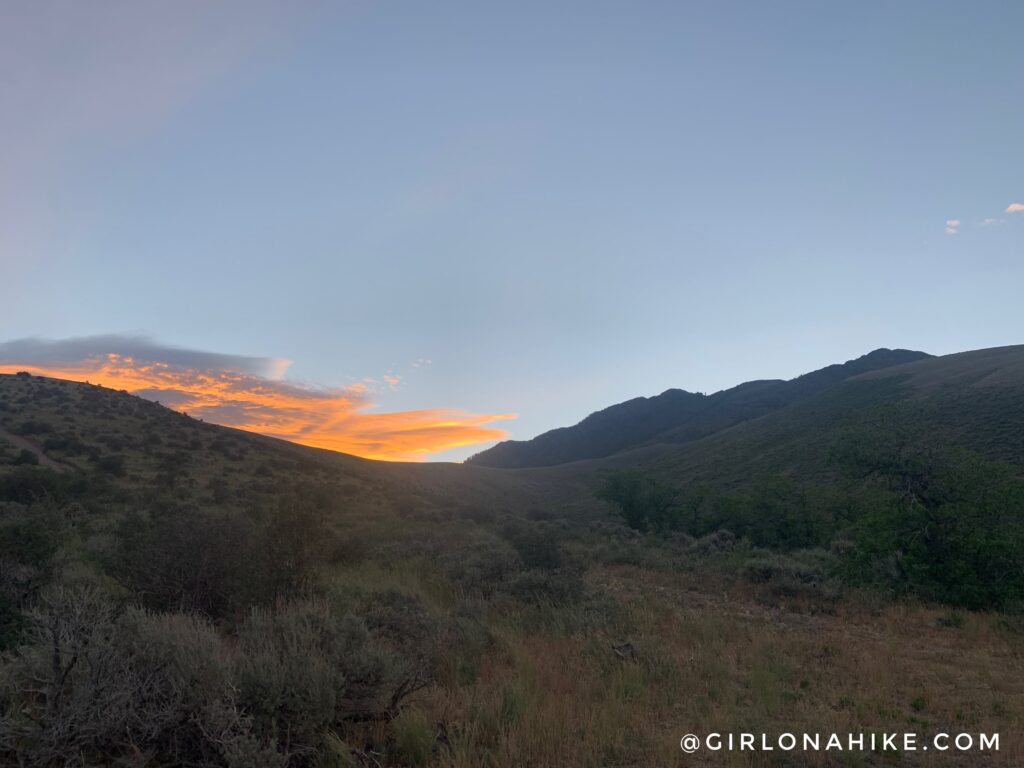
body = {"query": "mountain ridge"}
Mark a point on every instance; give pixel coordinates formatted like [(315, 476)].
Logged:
[(677, 416)]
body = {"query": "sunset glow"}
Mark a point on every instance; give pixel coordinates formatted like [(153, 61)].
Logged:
[(339, 419)]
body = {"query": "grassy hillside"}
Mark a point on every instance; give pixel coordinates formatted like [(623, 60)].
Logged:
[(177, 593), (972, 400), (911, 478), (131, 448), (131, 443)]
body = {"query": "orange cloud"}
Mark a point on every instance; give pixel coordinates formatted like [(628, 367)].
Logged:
[(1015, 208), (339, 419)]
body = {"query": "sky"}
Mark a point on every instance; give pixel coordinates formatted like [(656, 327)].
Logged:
[(407, 230)]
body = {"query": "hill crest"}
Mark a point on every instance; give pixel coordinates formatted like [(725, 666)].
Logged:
[(678, 416)]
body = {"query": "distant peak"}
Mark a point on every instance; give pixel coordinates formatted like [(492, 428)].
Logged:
[(885, 351)]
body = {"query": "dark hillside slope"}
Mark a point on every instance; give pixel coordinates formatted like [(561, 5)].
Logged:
[(135, 446), (971, 400), (676, 416), (116, 448), (613, 429)]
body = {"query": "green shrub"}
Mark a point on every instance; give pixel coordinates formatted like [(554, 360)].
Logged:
[(184, 560), (220, 562), (481, 569), (952, 619), (301, 671), (538, 546), (644, 503), (33, 427), (948, 529), (112, 464), (25, 457), (94, 682), (30, 541), (414, 738), (543, 586)]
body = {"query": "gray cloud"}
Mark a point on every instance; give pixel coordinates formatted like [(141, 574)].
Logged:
[(74, 351)]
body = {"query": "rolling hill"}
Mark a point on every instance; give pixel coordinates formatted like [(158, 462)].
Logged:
[(133, 448)]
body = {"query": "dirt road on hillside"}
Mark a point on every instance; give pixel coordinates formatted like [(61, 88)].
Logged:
[(27, 445)]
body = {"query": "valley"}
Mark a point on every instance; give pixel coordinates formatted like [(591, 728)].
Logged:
[(263, 603)]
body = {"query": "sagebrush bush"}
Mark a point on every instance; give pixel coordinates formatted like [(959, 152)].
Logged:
[(414, 738), (480, 569), (299, 671), (540, 586), (187, 561), (93, 682), (537, 545)]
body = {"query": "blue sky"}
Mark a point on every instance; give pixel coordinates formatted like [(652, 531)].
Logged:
[(558, 205)]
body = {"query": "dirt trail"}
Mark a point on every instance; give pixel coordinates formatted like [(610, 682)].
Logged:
[(27, 445)]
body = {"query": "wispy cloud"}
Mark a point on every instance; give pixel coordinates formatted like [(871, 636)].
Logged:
[(953, 226), (250, 393)]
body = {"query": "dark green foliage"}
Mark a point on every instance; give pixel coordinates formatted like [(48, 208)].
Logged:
[(186, 560), (805, 576), (293, 541), (538, 546), (773, 511), (948, 527), (912, 520), (547, 574), (30, 541), (534, 570), (31, 535), (32, 427), (69, 444), (480, 570), (27, 484), (25, 458), (112, 464), (217, 562), (644, 503)]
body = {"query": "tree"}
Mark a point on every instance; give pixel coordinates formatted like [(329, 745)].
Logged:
[(644, 503)]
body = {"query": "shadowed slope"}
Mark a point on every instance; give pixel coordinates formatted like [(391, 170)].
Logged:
[(970, 400), (677, 416)]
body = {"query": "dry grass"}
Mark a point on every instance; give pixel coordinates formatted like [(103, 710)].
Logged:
[(721, 662)]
